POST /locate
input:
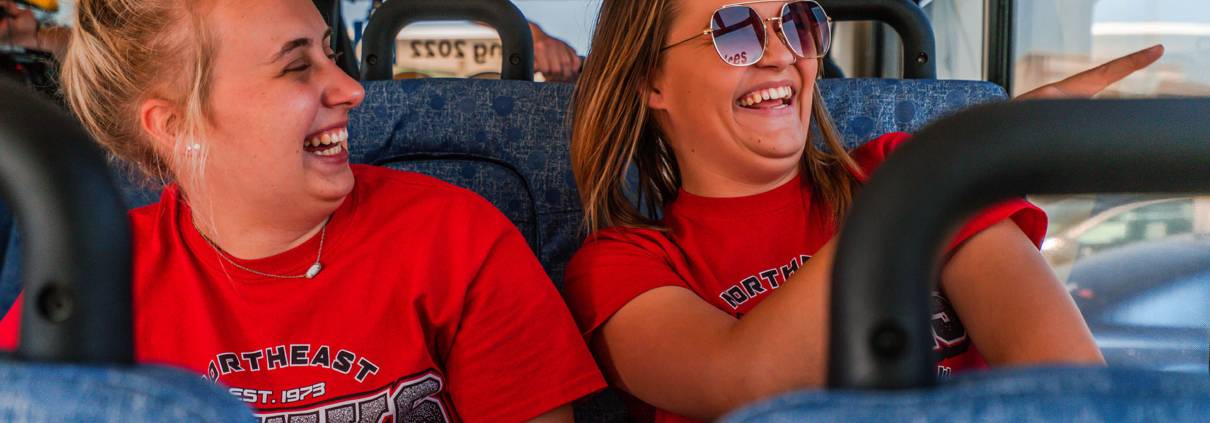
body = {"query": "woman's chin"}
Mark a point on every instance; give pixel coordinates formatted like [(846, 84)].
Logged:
[(777, 148), (332, 186)]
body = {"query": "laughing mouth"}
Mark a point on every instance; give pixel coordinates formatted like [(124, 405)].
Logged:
[(328, 143), (768, 98)]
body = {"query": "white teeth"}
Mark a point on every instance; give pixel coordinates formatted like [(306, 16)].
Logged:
[(334, 150), (766, 95), (337, 137)]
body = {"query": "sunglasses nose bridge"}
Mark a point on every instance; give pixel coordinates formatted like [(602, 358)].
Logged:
[(777, 30)]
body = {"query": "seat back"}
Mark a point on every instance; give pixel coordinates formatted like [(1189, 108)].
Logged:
[(506, 140), (864, 108)]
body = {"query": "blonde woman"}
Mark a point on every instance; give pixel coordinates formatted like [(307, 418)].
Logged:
[(305, 285), (723, 300)]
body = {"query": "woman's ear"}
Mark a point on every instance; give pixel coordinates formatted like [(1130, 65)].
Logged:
[(161, 122), (654, 91)]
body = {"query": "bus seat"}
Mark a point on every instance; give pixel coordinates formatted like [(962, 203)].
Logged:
[(1005, 395), (864, 108), (37, 392), (506, 140)]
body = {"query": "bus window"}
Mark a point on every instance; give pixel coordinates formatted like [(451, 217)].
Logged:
[(1126, 256), (1058, 38), (958, 26), (463, 49)]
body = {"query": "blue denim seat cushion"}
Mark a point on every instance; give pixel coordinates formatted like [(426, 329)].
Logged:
[(61, 393), (1007, 395)]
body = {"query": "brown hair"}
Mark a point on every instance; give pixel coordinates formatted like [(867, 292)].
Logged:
[(610, 132), (123, 52)]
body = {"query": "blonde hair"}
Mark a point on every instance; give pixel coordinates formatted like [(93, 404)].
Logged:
[(611, 130), (123, 52)]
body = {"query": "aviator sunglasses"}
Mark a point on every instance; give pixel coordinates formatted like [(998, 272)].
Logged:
[(740, 38)]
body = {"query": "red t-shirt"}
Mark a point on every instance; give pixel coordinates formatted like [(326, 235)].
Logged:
[(734, 252), (430, 308)]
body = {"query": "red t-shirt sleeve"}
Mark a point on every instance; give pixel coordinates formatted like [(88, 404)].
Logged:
[(1031, 219), (516, 354), (11, 325), (614, 266)]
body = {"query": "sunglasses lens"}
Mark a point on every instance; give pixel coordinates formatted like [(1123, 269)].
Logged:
[(805, 26), (739, 35)]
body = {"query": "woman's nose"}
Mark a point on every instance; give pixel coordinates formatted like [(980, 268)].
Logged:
[(342, 90), (777, 54)]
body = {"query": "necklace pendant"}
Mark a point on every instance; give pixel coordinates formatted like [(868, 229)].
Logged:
[(314, 270)]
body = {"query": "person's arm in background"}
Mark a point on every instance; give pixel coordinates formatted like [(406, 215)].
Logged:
[(18, 27), (554, 58)]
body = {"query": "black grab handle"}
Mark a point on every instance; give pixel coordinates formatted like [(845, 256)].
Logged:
[(908, 20), (888, 257), (516, 42), (77, 237)]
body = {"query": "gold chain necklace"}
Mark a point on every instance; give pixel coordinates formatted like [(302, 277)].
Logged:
[(311, 271)]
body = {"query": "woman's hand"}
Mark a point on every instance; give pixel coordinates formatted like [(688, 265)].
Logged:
[(554, 58), (1091, 82)]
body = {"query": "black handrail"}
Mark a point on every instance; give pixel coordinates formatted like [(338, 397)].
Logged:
[(908, 20), (77, 305), (1000, 55), (888, 256), (378, 42)]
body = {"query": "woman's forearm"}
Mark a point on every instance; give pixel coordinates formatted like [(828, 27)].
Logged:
[(1013, 306)]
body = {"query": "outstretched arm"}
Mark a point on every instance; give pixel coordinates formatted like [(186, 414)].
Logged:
[(1090, 82)]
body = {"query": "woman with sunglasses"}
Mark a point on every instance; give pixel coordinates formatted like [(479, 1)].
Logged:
[(724, 300)]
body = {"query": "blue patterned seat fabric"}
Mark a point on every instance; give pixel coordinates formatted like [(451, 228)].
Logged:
[(31, 392), (506, 140), (863, 109), (1006, 395)]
